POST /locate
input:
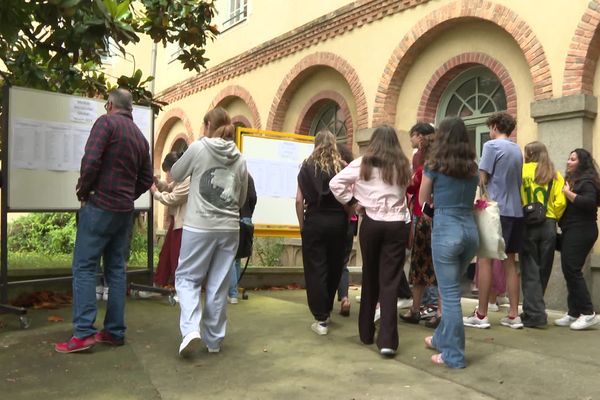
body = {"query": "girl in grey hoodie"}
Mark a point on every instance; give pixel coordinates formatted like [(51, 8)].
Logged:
[(219, 180)]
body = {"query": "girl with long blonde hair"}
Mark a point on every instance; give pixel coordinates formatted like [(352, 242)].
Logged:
[(323, 225), (541, 183)]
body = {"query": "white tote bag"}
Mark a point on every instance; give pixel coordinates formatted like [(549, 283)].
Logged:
[(487, 218)]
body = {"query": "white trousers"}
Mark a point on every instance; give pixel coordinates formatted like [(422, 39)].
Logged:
[(205, 259)]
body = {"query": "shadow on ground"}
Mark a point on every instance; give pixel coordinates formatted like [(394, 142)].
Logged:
[(271, 353)]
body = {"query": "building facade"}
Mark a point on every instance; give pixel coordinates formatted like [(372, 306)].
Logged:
[(296, 66)]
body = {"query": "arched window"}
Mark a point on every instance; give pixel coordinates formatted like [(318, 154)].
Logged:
[(473, 95), (330, 117), (179, 146)]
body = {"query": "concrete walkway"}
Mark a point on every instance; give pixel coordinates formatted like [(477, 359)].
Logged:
[(271, 353)]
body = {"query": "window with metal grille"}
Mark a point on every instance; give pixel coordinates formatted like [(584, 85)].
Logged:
[(330, 117)]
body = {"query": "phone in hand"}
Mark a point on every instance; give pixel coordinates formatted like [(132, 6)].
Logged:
[(427, 210)]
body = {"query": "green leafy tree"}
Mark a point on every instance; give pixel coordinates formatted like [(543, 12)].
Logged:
[(59, 45)]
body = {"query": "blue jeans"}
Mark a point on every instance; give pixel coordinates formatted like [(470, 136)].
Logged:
[(234, 274), (430, 295), (100, 233), (454, 241)]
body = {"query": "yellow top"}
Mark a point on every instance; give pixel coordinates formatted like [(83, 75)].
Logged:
[(531, 191)]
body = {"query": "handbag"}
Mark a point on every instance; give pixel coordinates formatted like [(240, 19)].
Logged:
[(487, 219), (246, 240), (534, 213)]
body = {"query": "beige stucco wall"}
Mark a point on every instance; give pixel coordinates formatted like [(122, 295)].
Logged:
[(470, 37), (368, 50), (323, 79)]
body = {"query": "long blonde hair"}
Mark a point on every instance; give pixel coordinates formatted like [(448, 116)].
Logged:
[(325, 156), (544, 171)]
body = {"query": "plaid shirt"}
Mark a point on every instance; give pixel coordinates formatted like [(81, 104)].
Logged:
[(116, 167)]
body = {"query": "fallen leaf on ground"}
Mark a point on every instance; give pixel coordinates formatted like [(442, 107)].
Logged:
[(55, 318)]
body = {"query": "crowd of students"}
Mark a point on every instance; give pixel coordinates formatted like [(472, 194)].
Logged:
[(427, 209)]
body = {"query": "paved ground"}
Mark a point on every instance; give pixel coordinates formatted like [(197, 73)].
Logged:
[(271, 353)]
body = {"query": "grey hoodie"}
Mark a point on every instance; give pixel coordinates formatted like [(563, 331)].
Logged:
[(218, 187)]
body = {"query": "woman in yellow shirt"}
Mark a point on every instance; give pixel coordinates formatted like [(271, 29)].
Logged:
[(542, 183)]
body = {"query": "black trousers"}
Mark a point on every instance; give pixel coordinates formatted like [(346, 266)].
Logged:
[(383, 249), (577, 242), (323, 251), (536, 256)]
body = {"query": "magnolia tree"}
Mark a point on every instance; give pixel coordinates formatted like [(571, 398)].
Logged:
[(59, 45)]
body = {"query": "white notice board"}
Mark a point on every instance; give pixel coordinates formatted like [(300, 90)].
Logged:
[(47, 133), (273, 160)]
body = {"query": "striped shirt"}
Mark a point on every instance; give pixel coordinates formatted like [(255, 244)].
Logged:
[(116, 167)]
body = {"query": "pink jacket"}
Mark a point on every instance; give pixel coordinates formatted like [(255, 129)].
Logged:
[(382, 202)]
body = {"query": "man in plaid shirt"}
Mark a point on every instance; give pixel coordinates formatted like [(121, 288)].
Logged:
[(115, 170)]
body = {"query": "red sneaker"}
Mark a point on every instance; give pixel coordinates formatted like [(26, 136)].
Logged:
[(74, 344), (105, 337)]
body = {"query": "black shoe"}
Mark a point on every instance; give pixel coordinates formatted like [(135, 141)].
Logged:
[(433, 322), (411, 317)]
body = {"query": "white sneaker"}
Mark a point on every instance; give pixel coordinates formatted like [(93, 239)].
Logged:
[(215, 350), (584, 322), (190, 344), (99, 291), (404, 303), (377, 315), (514, 323), (473, 321), (320, 328), (143, 294), (232, 300), (565, 320), (105, 293), (493, 307), (501, 300)]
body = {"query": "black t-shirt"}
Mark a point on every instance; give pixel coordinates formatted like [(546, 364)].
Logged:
[(314, 185), (583, 211)]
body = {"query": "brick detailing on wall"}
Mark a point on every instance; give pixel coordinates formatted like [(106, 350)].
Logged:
[(451, 69), (446, 17), (583, 53), (306, 66), (241, 120), (167, 122), (333, 24), (232, 91), (310, 110)]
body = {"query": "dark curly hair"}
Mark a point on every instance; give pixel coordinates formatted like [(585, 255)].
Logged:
[(586, 170), (451, 153), (504, 122)]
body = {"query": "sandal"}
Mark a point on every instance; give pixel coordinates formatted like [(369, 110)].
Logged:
[(429, 343), (412, 317), (437, 359), (345, 308)]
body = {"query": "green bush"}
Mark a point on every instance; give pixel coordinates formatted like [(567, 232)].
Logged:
[(53, 234), (42, 233), (267, 251)]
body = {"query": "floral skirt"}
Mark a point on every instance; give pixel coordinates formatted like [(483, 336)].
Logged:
[(421, 262)]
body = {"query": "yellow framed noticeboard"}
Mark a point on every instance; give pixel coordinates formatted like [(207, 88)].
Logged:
[(273, 160)]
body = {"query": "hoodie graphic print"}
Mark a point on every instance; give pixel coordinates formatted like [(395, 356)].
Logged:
[(218, 186)]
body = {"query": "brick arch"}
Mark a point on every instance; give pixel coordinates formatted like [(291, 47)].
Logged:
[(583, 53), (305, 66), (244, 95), (451, 69), (240, 119), (448, 16), (167, 122), (313, 106)]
